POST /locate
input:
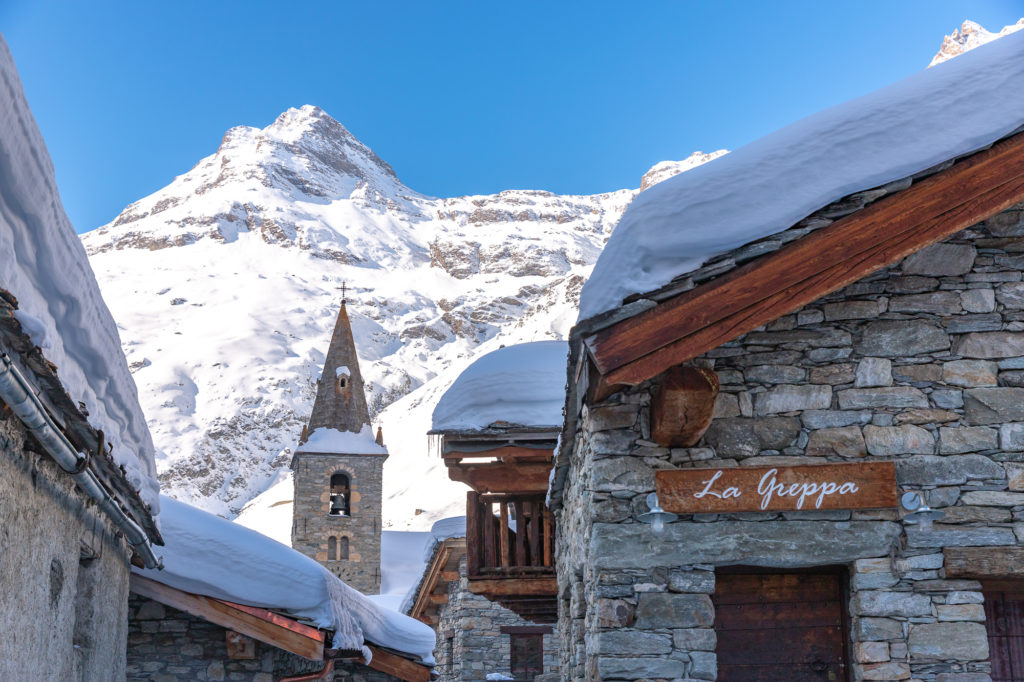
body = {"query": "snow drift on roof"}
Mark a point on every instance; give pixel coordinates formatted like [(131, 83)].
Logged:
[(765, 187), (208, 555), (44, 265), (452, 527), (522, 384), (343, 442)]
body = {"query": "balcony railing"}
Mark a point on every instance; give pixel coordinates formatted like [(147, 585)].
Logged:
[(508, 535)]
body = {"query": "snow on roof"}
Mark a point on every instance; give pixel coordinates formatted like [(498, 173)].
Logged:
[(765, 187), (452, 527), (522, 384), (205, 554), (344, 442), (43, 263)]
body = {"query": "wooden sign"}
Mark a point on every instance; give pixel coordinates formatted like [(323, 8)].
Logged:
[(856, 485)]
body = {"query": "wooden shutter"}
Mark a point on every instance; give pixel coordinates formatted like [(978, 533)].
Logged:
[(1004, 616)]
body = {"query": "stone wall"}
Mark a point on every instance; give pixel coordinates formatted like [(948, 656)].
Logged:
[(923, 363), (470, 643), (167, 645), (312, 525), (63, 572)]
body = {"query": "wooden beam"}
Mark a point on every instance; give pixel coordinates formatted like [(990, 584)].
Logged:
[(515, 587), (984, 562), (502, 477), (505, 452), (451, 551), (266, 626), (682, 406), (449, 576), (438, 599), (827, 260), (402, 668)]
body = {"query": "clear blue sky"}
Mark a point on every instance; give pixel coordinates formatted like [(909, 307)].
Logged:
[(460, 97)]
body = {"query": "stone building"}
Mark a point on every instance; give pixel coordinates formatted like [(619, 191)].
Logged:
[(490, 591), (339, 470), (77, 477), (832, 405)]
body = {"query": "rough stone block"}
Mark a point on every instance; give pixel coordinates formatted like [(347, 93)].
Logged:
[(964, 324), (827, 419), (726, 405), (972, 514), (636, 668), (1011, 437), (942, 497), (775, 374), (702, 582), (1011, 295), (941, 260), (792, 398), (633, 643), (993, 498), (970, 373), (1015, 475), (615, 613), (900, 338), (948, 398), (978, 300), (621, 473), (874, 372), (953, 536), (610, 417), (667, 610), (991, 345), (919, 562), (740, 437), (925, 416), (846, 441), (961, 612), (870, 398), (854, 310), (963, 677), (955, 440), (893, 670), (891, 604), (877, 629), (832, 374), (950, 470), (948, 641), (871, 652), (941, 302), (695, 639), (923, 373), (888, 441), (704, 665), (993, 405)]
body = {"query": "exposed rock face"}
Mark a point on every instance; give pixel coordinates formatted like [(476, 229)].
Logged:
[(969, 36), (256, 240)]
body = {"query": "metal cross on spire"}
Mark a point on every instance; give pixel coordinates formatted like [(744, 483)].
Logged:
[(344, 289)]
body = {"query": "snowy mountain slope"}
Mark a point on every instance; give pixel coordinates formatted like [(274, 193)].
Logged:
[(969, 36), (226, 284)]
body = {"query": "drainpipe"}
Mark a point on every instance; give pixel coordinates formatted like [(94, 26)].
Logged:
[(328, 669), (17, 392)]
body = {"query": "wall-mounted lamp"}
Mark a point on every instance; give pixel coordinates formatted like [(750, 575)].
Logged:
[(657, 516), (920, 512)]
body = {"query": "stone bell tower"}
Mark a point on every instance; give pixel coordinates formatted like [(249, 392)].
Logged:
[(339, 468)]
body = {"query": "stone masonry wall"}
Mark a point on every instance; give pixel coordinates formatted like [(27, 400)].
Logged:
[(923, 363), (470, 643), (167, 645), (63, 572), (312, 525)]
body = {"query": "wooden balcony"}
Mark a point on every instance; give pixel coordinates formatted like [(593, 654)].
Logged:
[(510, 552)]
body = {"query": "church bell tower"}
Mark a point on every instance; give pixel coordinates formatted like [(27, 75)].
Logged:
[(338, 471)]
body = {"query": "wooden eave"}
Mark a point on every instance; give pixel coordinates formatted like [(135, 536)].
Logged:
[(272, 628), (683, 327), (443, 568)]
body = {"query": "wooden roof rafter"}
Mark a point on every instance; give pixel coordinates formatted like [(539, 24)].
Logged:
[(681, 328)]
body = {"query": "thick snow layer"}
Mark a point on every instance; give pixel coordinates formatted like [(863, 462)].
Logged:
[(205, 554), (44, 265), (767, 186), (452, 527), (522, 384), (345, 442)]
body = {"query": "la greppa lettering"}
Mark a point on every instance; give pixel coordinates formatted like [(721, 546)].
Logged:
[(857, 485)]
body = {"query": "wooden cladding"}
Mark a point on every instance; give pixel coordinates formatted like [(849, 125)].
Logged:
[(738, 302), (508, 535), (856, 485)]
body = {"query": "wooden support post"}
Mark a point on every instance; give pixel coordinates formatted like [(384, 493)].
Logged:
[(490, 542), (473, 534), (520, 533), (549, 534), (504, 534)]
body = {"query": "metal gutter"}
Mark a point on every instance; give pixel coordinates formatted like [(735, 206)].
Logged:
[(17, 392)]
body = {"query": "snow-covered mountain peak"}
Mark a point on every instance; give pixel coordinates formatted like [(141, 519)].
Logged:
[(664, 170), (969, 36)]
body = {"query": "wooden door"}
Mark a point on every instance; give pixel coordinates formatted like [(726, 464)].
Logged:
[(1004, 619), (781, 627)]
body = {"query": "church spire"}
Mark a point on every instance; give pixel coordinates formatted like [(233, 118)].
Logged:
[(340, 401)]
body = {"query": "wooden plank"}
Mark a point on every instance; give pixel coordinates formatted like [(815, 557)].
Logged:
[(984, 562), (533, 516), (787, 672), (438, 599), (505, 452), (770, 615), (520, 534), (526, 629), (549, 534), (795, 644), (490, 541), (473, 533), (449, 576), (689, 324), (757, 588), (402, 668), (260, 624), (851, 485), (523, 476), (515, 587), (503, 534)]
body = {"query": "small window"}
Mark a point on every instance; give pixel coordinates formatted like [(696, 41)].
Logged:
[(343, 549), (526, 651), (340, 495), (332, 548)]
